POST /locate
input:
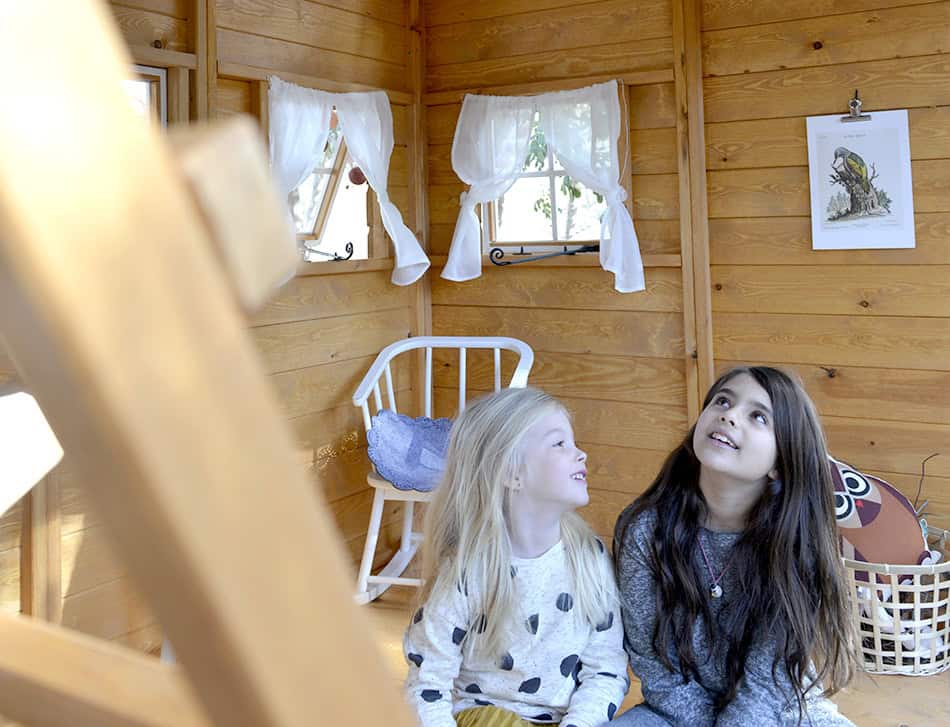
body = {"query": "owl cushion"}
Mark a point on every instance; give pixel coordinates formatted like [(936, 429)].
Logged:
[(876, 522)]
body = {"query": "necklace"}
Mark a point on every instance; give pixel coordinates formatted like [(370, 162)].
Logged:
[(715, 590)]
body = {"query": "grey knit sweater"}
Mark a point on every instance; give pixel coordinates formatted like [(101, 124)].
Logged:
[(668, 698)]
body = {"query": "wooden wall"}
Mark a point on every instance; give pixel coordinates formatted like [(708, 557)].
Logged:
[(617, 361), (868, 331)]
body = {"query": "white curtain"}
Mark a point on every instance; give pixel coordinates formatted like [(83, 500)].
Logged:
[(581, 127), (491, 144), (299, 127), (367, 122)]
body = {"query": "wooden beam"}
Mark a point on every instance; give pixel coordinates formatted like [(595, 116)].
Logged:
[(54, 677), (633, 78), (142, 362), (41, 590), (421, 295), (260, 108), (241, 72), (178, 92), (694, 229), (162, 57), (198, 29)]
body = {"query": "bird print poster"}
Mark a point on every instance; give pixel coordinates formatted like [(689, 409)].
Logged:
[(861, 192)]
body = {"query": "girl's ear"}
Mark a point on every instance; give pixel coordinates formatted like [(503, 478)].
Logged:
[(514, 484), (773, 473)]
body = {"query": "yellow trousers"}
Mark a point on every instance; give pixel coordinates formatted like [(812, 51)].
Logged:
[(489, 717)]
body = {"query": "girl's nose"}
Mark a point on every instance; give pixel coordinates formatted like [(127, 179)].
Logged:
[(581, 455), (727, 419)]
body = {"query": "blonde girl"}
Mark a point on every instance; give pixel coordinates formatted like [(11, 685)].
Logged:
[(519, 620)]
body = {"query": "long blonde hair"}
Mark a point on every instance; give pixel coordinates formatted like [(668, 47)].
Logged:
[(466, 545)]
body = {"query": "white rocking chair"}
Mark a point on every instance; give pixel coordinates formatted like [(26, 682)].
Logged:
[(370, 586)]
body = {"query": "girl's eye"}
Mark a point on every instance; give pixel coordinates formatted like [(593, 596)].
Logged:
[(760, 417), (721, 401), (559, 444)]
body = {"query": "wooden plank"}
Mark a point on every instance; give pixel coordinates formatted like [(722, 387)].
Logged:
[(325, 387), (579, 260), (53, 676), (567, 28), (656, 197), (351, 514), (653, 151), (784, 192), (656, 427), (787, 241), (653, 106), (161, 57), (604, 507), (402, 123), (828, 40), (443, 12), (729, 13), (319, 26), (317, 297), (872, 393), (900, 343), (140, 27), (384, 10), (781, 142), (259, 108), (869, 290), (234, 97), (10, 526), (281, 57), (147, 640), (581, 289), (399, 167), (298, 344), (76, 510), (587, 376), (627, 470), (245, 72), (629, 78), (648, 334), (174, 8), (107, 611), (898, 83), (936, 490), (441, 120), (89, 560), (553, 65), (892, 446), (10, 600)]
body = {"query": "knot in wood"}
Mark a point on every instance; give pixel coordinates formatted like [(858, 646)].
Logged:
[(817, 45)]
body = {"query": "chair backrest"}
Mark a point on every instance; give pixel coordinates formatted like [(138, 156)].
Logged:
[(382, 369)]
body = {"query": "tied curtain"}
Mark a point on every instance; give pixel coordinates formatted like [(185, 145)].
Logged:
[(581, 127), (299, 128)]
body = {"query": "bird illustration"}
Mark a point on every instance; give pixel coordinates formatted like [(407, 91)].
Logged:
[(851, 168)]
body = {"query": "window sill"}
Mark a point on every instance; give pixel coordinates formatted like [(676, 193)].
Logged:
[(583, 260), (343, 266)]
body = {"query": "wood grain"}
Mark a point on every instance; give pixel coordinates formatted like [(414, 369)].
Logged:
[(892, 342), (647, 334), (140, 27), (730, 13)]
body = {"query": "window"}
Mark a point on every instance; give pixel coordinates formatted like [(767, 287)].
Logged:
[(544, 209), (148, 93), (329, 206)]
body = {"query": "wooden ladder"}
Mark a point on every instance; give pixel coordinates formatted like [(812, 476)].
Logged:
[(125, 264)]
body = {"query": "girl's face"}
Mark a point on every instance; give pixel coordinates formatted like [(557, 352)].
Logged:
[(553, 475), (734, 436)]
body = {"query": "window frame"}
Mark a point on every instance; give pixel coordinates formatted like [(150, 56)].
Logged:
[(156, 77), (490, 221)]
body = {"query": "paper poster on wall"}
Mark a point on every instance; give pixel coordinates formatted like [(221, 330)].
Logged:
[(861, 192)]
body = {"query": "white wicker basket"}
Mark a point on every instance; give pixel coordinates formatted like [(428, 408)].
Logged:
[(904, 620)]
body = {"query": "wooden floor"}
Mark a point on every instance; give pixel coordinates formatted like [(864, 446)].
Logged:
[(880, 701)]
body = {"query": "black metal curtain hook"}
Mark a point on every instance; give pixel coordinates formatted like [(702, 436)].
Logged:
[(496, 254)]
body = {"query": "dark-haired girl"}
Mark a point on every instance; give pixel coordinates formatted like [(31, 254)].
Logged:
[(734, 606)]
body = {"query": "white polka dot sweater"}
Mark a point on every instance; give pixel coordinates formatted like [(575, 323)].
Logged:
[(555, 668)]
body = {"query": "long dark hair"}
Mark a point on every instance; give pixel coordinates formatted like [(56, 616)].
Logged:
[(794, 588)]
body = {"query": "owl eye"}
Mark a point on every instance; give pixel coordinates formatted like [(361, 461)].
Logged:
[(844, 506), (855, 484)]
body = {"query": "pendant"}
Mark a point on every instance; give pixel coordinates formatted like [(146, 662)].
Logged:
[(715, 591)]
